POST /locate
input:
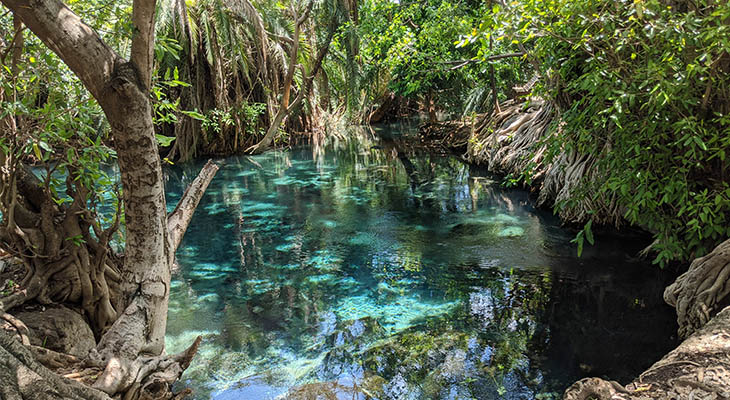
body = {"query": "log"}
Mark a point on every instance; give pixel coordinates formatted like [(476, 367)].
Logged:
[(178, 220)]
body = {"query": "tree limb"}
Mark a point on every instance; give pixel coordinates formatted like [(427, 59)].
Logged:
[(179, 218), (75, 42), (142, 56)]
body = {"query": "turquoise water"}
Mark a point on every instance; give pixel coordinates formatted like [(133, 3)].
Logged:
[(376, 270)]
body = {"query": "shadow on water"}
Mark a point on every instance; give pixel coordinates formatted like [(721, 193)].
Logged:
[(374, 270)]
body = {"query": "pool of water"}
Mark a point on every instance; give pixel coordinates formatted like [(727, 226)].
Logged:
[(376, 270)]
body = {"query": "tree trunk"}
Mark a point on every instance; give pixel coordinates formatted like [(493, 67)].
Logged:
[(702, 291), (283, 112), (130, 350), (293, 55)]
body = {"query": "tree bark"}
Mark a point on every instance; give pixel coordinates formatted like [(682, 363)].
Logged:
[(178, 220), (699, 368), (130, 350), (702, 291)]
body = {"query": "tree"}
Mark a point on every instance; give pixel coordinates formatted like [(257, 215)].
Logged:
[(285, 107), (129, 315)]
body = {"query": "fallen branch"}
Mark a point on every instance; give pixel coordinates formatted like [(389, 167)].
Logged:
[(179, 219)]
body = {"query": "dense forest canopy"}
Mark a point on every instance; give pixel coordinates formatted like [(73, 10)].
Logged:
[(640, 88), (617, 112)]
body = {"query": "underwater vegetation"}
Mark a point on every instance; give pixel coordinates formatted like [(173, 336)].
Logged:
[(339, 274)]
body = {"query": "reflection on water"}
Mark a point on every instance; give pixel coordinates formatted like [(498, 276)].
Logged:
[(376, 271)]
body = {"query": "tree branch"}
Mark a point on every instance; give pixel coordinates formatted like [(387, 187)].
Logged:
[(142, 56), (462, 63), (178, 220), (75, 42)]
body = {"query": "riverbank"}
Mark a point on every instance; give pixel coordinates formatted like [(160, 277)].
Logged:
[(511, 143)]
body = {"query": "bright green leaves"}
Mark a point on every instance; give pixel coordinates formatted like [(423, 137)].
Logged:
[(585, 235), (421, 48), (166, 110), (164, 141), (640, 91)]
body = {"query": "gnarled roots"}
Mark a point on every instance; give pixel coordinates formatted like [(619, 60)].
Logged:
[(700, 292)]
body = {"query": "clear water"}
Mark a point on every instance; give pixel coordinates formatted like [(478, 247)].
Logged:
[(374, 270)]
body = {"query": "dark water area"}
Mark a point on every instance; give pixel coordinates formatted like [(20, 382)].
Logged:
[(377, 270)]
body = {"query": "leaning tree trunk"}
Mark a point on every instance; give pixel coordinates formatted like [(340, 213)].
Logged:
[(283, 112), (131, 351)]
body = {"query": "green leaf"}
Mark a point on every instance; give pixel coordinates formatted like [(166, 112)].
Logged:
[(164, 141), (194, 115), (588, 232), (37, 151)]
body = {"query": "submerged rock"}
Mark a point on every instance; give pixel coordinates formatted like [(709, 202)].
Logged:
[(511, 231), (353, 333), (348, 341)]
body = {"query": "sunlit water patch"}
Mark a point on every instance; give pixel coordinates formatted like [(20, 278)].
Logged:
[(370, 271)]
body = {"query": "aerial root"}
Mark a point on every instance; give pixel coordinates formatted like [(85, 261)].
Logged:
[(19, 326), (699, 293)]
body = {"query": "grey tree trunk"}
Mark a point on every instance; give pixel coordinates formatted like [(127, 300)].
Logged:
[(130, 352)]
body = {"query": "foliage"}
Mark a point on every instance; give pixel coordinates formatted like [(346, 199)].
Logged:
[(412, 44), (430, 51), (643, 87), (48, 118)]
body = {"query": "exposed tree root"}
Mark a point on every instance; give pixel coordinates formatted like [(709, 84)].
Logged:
[(699, 368), (23, 377), (25, 374), (19, 326), (86, 273), (701, 291)]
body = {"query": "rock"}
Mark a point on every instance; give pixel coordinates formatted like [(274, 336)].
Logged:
[(324, 390), (356, 333), (346, 343), (511, 231), (59, 329)]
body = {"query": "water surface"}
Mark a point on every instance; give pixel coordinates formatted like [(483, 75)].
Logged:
[(376, 270)]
